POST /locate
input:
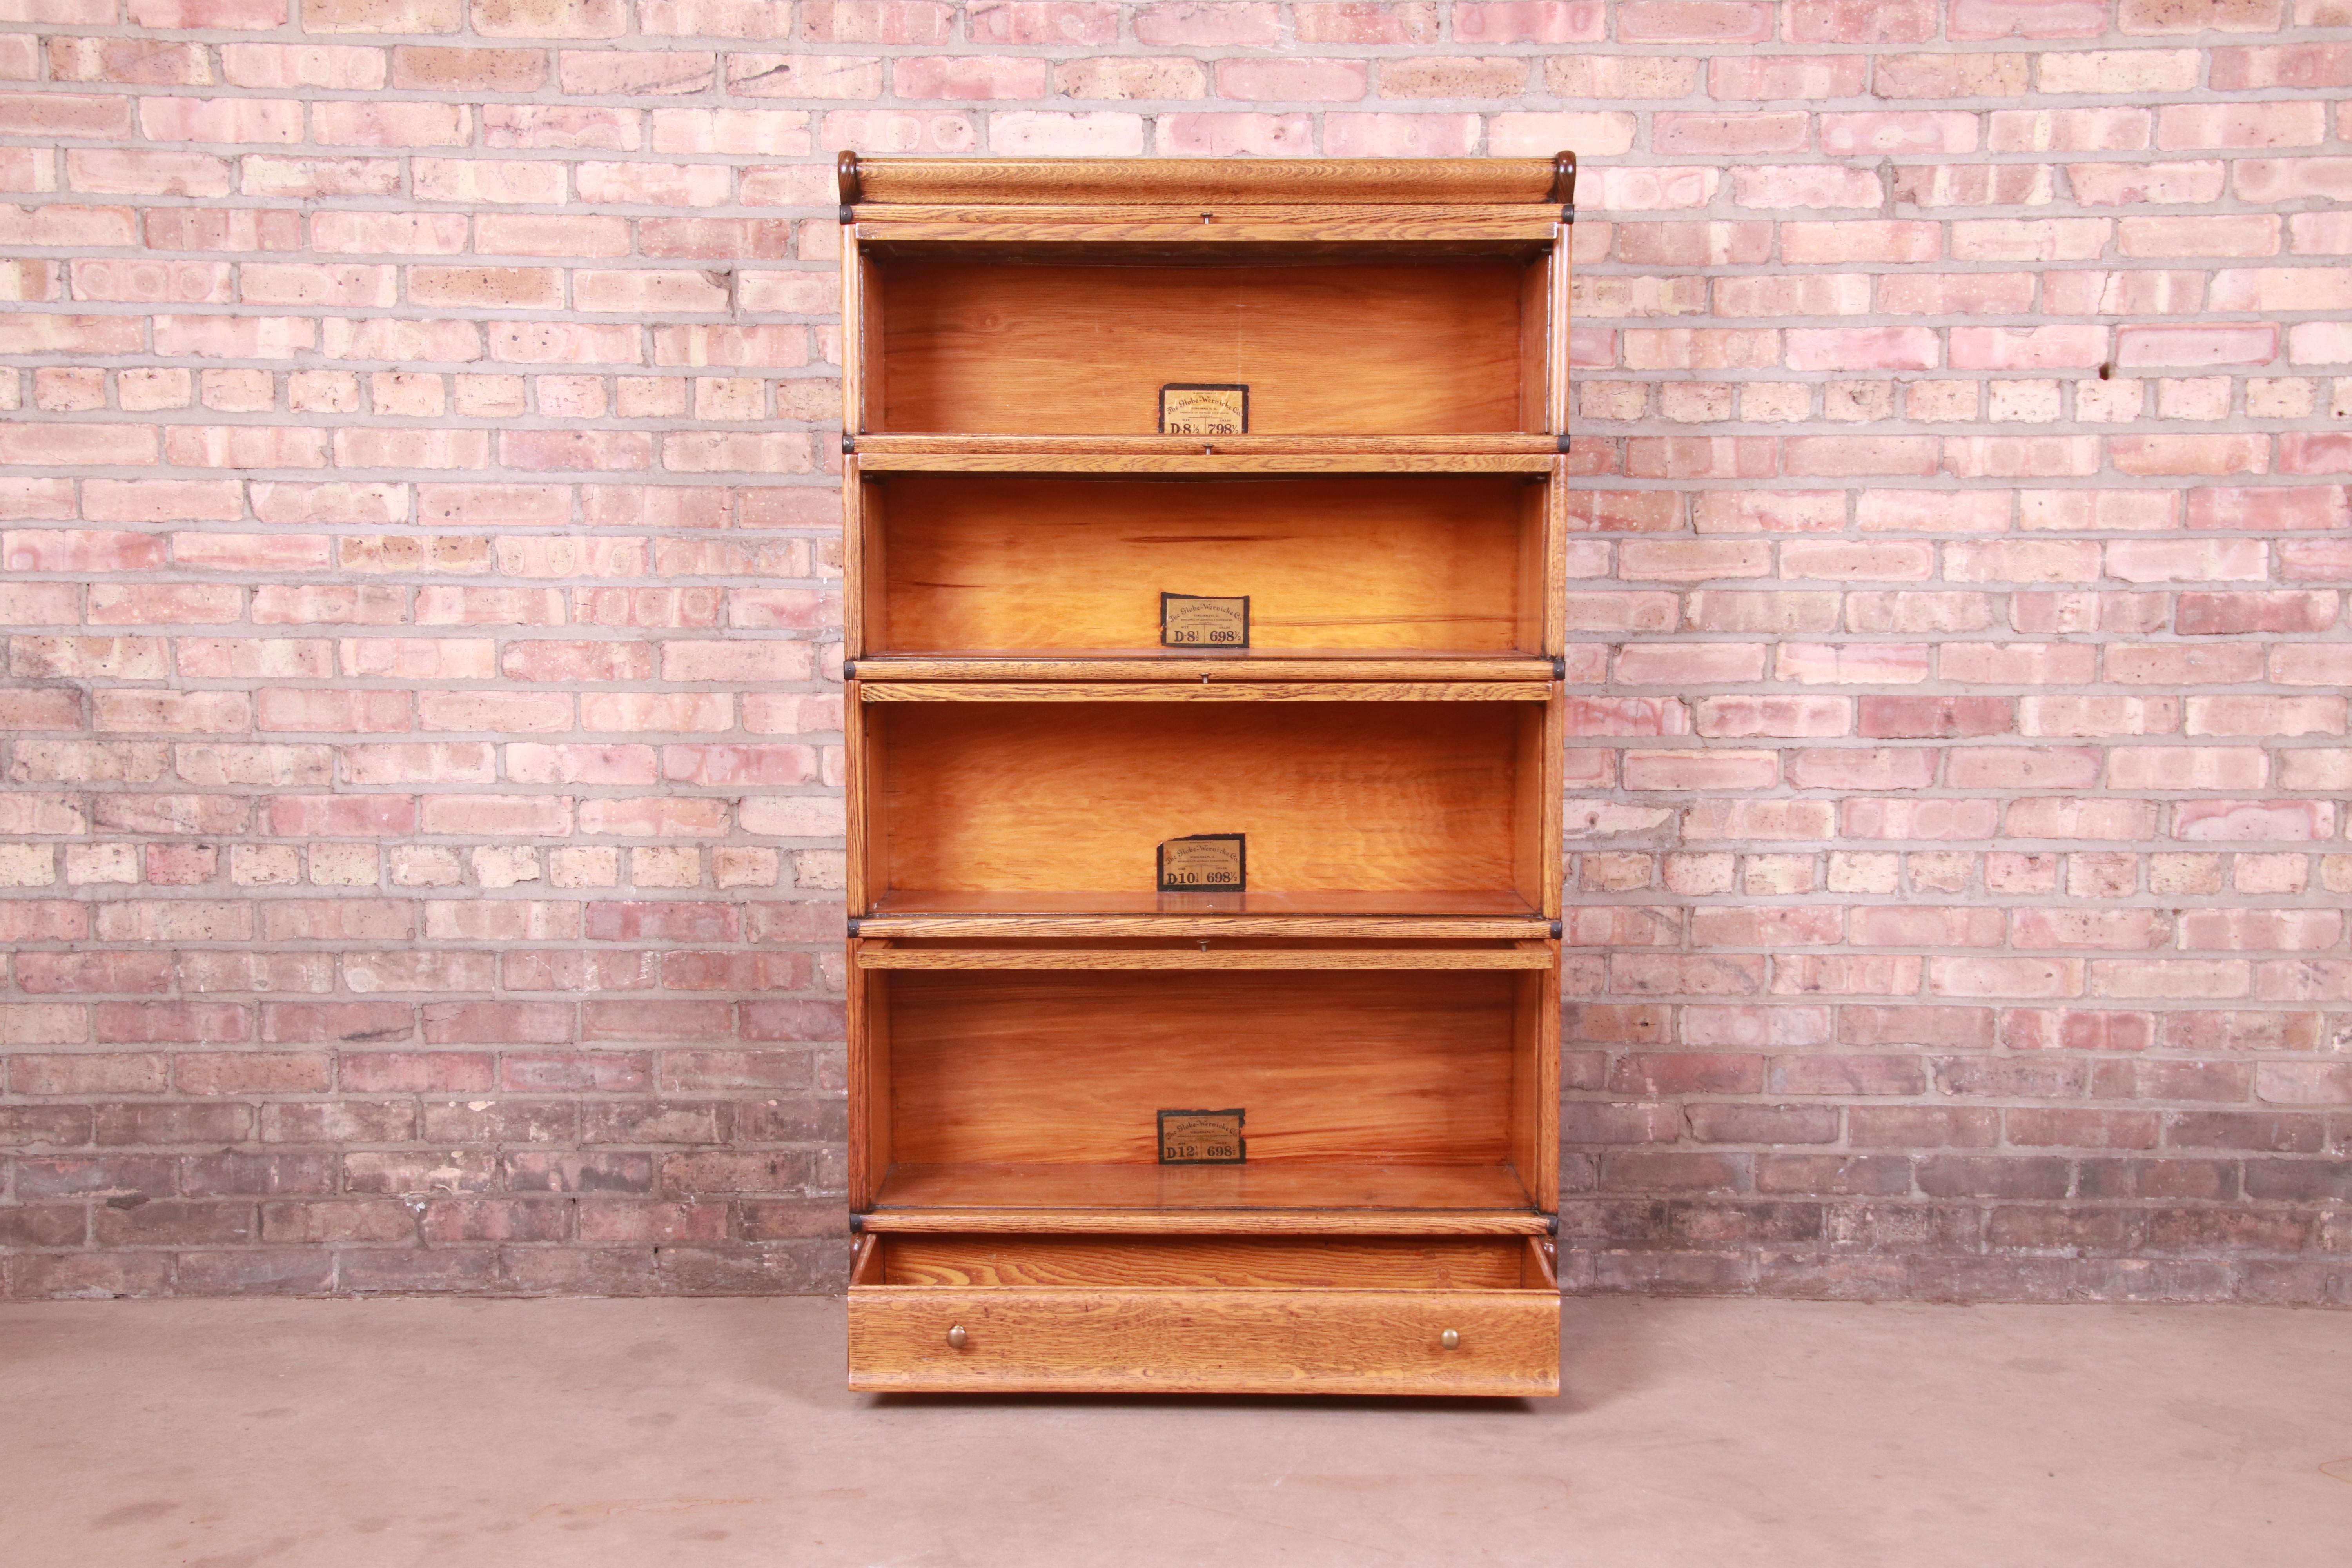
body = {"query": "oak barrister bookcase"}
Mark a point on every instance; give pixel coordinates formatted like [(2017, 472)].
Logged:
[(1205, 544)]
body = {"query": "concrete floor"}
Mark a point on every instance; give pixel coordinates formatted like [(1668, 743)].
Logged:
[(716, 1433)]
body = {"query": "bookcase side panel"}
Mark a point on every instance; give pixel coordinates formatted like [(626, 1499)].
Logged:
[(1534, 1084), (870, 1140), (853, 333), (1536, 281), (1557, 317)]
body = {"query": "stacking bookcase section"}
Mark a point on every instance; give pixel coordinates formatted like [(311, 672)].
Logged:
[(1025, 1078), (1365, 798), (1373, 314), (1062, 337), (986, 573), (1205, 547)]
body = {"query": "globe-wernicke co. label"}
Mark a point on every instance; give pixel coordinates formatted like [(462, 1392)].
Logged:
[(1198, 620), (1205, 863), (1202, 1137), (1205, 408)]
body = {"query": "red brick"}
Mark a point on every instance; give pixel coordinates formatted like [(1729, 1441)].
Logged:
[(1527, 22), (1785, 132), (1200, 22), (1858, 21), (1694, 21), (1978, 20)]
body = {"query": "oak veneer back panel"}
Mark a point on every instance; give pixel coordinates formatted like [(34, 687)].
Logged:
[(1072, 1068), (1430, 348), (1394, 798), (1359, 564), (1208, 1262)]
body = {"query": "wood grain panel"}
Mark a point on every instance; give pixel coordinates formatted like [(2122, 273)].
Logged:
[(988, 182), (1096, 927), (867, 409), (1225, 958), (853, 335), (1559, 264), (1205, 691), (1206, 1262), (869, 1083), (951, 455), (1175, 665), (861, 545), (1426, 349), (1098, 903), (1461, 451), (1554, 571), (1408, 1067), (1416, 563), (1309, 1192), (1523, 1222), (1535, 809), (968, 219), (1331, 233), (1534, 1123), (1205, 1342), (865, 871), (1055, 799)]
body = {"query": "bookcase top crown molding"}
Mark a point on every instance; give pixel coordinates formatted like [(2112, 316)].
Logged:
[(1163, 182)]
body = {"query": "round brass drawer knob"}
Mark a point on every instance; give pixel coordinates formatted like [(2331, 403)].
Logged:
[(956, 1337), (1450, 1339)]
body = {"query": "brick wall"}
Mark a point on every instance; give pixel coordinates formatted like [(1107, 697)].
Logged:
[(421, 817)]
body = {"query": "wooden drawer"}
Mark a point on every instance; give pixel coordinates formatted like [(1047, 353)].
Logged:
[(1187, 1314)]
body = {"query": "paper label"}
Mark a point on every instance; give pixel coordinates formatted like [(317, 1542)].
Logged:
[(1194, 620), (1205, 863), (1201, 1138), (1203, 408)]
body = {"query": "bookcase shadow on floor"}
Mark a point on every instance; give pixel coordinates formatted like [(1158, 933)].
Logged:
[(1205, 544)]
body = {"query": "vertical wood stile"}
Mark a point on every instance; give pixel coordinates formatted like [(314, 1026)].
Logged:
[(853, 333)]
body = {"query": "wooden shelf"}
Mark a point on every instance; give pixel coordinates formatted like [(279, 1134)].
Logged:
[(1206, 691), (1297, 926), (1338, 902), (1136, 664), (1214, 1222), (1486, 1194), (1223, 960), (1258, 452)]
